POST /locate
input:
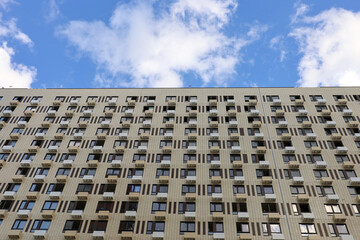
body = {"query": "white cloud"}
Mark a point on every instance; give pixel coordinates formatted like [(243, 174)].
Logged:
[(277, 43), (4, 3), (301, 10), (140, 49), (330, 46), (8, 29), (52, 10), (12, 74)]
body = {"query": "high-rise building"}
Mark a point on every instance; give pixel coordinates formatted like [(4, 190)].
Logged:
[(194, 163)]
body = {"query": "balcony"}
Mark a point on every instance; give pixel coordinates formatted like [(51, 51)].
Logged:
[(261, 149), (170, 112), (130, 214), (158, 235), (332, 198), (289, 149), (98, 235), (190, 215), (235, 149), (48, 214), (165, 163), (321, 101), (83, 124), (231, 112), (256, 124), (40, 135), (23, 213), (39, 178), (190, 196), (266, 180), (191, 149), (241, 197), (308, 217), (53, 148), (33, 149), (88, 178), (214, 149), (120, 149), (64, 123), (259, 136), (315, 150), (217, 196), (217, 216), (273, 217), (69, 113), (193, 112), (254, 112), (215, 163), (214, 135), (116, 163), (172, 102), (237, 164), (97, 149), (302, 198), (325, 112), (164, 179), (264, 164), (136, 179), (103, 214), (162, 196), (252, 102), (150, 102), (15, 234), (286, 136), (160, 215), (283, 123), (347, 112), (25, 163), (127, 124), (108, 195), (298, 180), (233, 123), (239, 179), (112, 102), (9, 194), (73, 149), (243, 216), (105, 123), (51, 113), (213, 112), (149, 113), (55, 195), (354, 181), (193, 101), (353, 124), (168, 135), (22, 124), (303, 112), (216, 179), (140, 163), (14, 102), (61, 178), (29, 113), (101, 136), (214, 123), (93, 163), (82, 195), (234, 136), (341, 150), (330, 123), (191, 164), (299, 102), (190, 179), (230, 102), (219, 236), (311, 136), (68, 163), (169, 124), (144, 136), (339, 218), (77, 214), (142, 149), (277, 101), (270, 197), (320, 164), (59, 136), (280, 113), (129, 112), (277, 236), (306, 124), (192, 123)]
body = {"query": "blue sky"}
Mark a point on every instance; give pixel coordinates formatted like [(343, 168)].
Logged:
[(179, 43)]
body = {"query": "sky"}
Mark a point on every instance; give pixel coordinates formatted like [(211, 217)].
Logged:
[(179, 43)]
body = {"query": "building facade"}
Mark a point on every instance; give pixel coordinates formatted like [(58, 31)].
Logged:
[(195, 163)]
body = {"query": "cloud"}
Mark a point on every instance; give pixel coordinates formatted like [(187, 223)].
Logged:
[(12, 74), (8, 29), (277, 43), (139, 48), (4, 3), (52, 10), (329, 44), (301, 10)]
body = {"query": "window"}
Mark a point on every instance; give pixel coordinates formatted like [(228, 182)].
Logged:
[(186, 207), (216, 207), (242, 228), (97, 225), (55, 188), (307, 229), (188, 189), (27, 205), (269, 228), (354, 190), (320, 173), (63, 171), (6, 204), (338, 229), (238, 189), (187, 227), (269, 208), (342, 158), (87, 171), (126, 226), (76, 205), (14, 187), (213, 189), (18, 224), (105, 206), (297, 190), (72, 225), (356, 208), (128, 206), (50, 205), (133, 188), (115, 157), (290, 173), (189, 157), (84, 188), (332, 208), (155, 227), (40, 225), (261, 190), (107, 188), (324, 190), (215, 227), (162, 172), (158, 206), (238, 207), (113, 172)]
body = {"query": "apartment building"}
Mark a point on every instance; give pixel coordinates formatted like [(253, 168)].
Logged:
[(194, 163)]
